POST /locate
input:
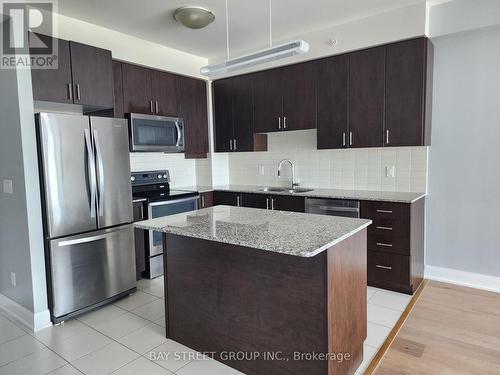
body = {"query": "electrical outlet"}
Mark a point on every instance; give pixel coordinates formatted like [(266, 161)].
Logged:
[(390, 171), (7, 187), (13, 278)]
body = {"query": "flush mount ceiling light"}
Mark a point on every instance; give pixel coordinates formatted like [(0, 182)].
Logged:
[(296, 47), (194, 17)]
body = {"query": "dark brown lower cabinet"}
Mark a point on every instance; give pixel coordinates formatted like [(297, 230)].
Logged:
[(227, 198), (140, 260), (206, 199), (395, 244), (288, 203)]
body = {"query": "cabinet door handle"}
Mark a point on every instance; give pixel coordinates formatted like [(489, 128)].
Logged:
[(235, 147), (267, 203), (70, 91), (383, 267), (343, 139), (284, 122), (279, 122), (350, 138), (384, 211), (151, 106), (78, 96), (272, 203), (384, 244), (156, 106), (384, 228), (238, 201), (202, 201), (387, 136), (230, 145)]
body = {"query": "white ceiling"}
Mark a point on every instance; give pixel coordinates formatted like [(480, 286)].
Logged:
[(248, 20)]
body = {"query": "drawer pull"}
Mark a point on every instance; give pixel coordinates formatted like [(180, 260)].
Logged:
[(384, 211), (384, 228), (383, 267), (384, 244)]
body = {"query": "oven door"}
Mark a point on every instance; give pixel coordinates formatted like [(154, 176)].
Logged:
[(156, 133), (167, 208)]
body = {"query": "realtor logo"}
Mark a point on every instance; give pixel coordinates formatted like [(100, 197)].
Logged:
[(27, 35)]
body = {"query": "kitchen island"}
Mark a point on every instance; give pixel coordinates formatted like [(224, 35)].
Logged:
[(266, 292)]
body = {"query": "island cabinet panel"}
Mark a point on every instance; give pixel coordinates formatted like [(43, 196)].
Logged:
[(407, 82), (366, 97), (332, 85), (395, 244), (92, 72), (228, 298), (227, 198)]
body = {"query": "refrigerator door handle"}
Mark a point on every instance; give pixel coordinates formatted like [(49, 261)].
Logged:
[(100, 170), (91, 173), (90, 238)]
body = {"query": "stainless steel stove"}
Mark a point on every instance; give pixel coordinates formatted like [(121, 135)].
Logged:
[(159, 200)]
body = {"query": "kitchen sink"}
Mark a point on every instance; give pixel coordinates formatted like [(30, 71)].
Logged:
[(300, 190), (272, 188), (282, 189)]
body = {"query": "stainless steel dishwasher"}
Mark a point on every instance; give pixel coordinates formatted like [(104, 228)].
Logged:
[(332, 207)]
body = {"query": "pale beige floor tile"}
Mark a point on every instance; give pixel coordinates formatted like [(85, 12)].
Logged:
[(377, 334), (370, 292), (52, 335), (207, 366), (105, 360), (121, 325), (81, 344), (368, 354), (171, 355), (101, 314), (135, 300), (161, 321), (142, 366), (8, 330), (155, 290), (382, 315), (145, 339), (66, 370), (40, 362), (18, 348), (392, 300), (151, 311)]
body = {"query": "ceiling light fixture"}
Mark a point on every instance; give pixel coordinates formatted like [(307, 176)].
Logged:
[(194, 17), (296, 47)]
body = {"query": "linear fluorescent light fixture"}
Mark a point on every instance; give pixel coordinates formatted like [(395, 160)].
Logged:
[(297, 47)]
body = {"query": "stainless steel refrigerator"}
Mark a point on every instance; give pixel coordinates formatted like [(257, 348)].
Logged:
[(87, 204)]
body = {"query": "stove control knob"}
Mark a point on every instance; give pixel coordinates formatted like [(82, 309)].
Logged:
[(160, 176), (165, 176), (132, 178)]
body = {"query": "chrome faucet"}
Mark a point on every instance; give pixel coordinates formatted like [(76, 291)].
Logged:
[(293, 184)]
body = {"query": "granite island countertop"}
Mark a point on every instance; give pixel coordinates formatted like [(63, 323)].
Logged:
[(361, 195), (292, 233)]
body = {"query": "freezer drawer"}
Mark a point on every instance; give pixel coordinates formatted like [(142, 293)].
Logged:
[(90, 268)]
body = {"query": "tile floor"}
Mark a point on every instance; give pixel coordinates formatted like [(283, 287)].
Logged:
[(120, 339)]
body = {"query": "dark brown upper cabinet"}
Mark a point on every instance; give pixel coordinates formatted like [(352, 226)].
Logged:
[(332, 103), (149, 91), (192, 107), (408, 93), (118, 89), (285, 98), (92, 72), (366, 98), (84, 76), (233, 113)]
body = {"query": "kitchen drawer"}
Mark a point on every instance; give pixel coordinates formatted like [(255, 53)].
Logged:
[(389, 271), (385, 210), (392, 236)]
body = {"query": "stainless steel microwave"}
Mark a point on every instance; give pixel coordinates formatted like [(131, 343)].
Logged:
[(156, 133)]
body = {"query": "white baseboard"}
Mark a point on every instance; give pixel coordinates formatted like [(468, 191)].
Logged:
[(463, 278), (30, 320)]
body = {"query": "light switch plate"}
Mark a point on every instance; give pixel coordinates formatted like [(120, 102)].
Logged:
[(7, 187), (390, 171)]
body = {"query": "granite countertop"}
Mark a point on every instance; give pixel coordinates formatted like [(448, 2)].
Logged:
[(362, 195), (292, 233), (197, 188)]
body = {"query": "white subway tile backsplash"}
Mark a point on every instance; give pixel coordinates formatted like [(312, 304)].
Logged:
[(362, 169)]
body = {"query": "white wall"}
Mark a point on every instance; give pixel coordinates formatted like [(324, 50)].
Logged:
[(360, 169), (462, 206)]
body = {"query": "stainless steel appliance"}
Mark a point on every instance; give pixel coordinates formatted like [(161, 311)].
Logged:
[(156, 133), (333, 207), (86, 195), (160, 201)]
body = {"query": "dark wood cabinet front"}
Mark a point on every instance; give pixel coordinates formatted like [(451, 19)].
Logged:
[(288, 203), (406, 123), (192, 104), (332, 93), (243, 118), (223, 115), (206, 199), (256, 200), (227, 198), (118, 89), (137, 96), (366, 97), (92, 73), (164, 93), (54, 85), (268, 101), (139, 237)]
